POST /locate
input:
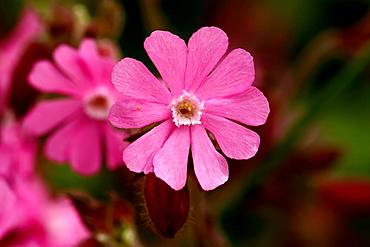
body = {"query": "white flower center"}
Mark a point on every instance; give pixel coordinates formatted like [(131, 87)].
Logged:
[(98, 104), (187, 109)]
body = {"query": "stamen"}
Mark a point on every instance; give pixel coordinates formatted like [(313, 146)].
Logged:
[(97, 105), (187, 109)]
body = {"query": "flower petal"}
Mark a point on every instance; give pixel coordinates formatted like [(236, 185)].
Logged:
[(99, 67), (85, 149), (168, 53), (133, 79), (9, 209), (114, 145), (58, 144), (171, 161), (13, 47), (134, 113), (6, 162), (205, 48), (249, 107), (236, 141), (46, 77), (210, 167), (233, 75), (61, 220), (48, 114), (71, 63), (138, 156)]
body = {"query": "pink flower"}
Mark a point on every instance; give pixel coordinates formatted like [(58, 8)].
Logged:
[(83, 76), (13, 47), (17, 150), (63, 224), (29, 217), (201, 90)]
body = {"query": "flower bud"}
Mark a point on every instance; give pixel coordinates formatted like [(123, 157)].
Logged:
[(168, 209)]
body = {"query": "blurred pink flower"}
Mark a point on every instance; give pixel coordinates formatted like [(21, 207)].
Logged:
[(82, 75), (202, 90), (8, 212), (12, 49), (30, 218), (63, 224), (17, 150)]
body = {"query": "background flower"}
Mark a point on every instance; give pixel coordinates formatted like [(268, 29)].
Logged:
[(30, 216), (83, 136), (17, 150)]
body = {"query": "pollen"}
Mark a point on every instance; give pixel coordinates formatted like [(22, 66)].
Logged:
[(187, 109)]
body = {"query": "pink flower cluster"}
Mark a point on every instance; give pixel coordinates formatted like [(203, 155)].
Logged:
[(29, 216)]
